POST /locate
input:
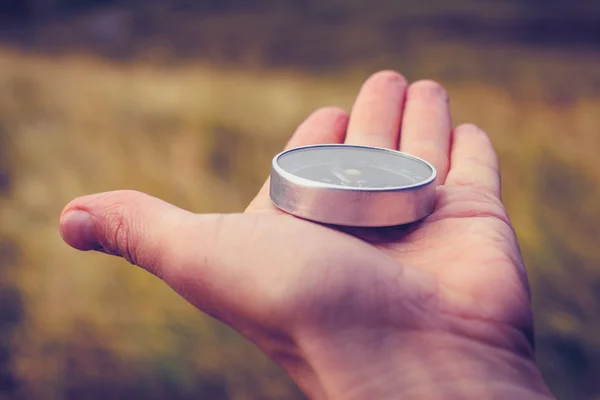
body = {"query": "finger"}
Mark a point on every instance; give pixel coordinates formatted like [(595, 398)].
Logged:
[(173, 244), (114, 222), (377, 112), (219, 263), (473, 162), (326, 125), (426, 125)]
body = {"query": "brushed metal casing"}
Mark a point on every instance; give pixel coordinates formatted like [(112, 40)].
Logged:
[(342, 206)]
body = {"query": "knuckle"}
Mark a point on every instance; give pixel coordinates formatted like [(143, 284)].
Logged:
[(428, 89), (474, 183), (114, 198), (127, 195), (471, 183), (122, 226), (118, 232)]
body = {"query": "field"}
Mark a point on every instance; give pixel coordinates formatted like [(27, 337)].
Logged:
[(201, 135)]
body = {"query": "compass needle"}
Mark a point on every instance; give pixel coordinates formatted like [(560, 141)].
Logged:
[(340, 176)]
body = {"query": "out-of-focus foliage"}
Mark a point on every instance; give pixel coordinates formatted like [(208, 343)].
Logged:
[(207, 93)]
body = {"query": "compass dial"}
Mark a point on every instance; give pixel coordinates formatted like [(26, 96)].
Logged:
[(356, 167)]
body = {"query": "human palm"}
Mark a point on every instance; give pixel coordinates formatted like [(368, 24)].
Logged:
[(311, 295), (466, 249)]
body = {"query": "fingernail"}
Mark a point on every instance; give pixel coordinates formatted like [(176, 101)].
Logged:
[(77, 229)]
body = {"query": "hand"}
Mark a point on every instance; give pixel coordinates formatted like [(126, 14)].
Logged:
[(436, 309)]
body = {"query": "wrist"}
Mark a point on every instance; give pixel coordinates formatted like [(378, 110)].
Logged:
[(415, 365)]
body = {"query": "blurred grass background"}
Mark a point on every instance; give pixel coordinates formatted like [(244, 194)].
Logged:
[(189, 100)]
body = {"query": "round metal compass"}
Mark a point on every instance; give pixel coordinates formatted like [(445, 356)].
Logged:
[(352, 185)]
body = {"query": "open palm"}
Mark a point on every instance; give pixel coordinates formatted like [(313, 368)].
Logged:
[(302, 290)]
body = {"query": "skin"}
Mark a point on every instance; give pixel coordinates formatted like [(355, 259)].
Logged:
[(435, 309)]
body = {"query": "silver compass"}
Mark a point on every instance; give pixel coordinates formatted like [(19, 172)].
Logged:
[(352, 185)]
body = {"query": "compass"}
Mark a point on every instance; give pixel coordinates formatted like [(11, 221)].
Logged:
[(350, 185)]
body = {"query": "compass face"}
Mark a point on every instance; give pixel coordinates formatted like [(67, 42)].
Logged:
[(356, 167)]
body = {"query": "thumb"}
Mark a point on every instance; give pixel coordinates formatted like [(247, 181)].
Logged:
[(201, 256), (125, 223)]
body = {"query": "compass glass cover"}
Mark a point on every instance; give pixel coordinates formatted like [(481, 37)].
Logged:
[(355, 166)]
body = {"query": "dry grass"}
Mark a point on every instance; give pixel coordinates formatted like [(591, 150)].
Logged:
[(202, 138)]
